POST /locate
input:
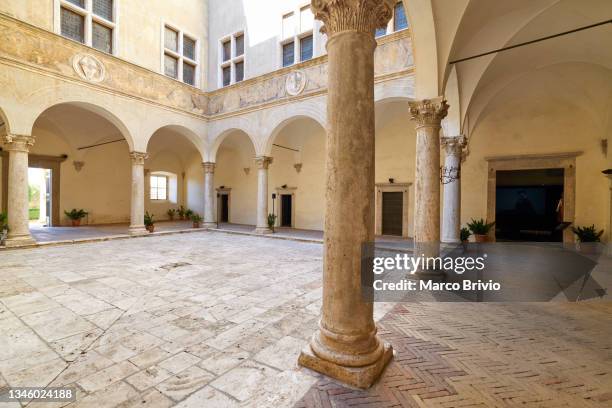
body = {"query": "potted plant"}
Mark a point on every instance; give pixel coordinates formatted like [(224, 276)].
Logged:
[(3, 228), (196, 219), (171, 213), (76, 216), (464, 235), (149, 222), (587, 235), (188, 214), (271, 221), (480, 229), (181, 212)]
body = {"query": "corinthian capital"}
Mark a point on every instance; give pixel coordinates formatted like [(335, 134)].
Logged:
[(352, 15), (453, 145), (18, 143), (138, 158), (429, 112), (263, 162)]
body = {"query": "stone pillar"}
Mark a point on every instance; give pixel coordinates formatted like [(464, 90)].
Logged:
[(18, 147), (209, 195), (263, 162), (138, 193), (451, 210), (428, 115), (346, 346)]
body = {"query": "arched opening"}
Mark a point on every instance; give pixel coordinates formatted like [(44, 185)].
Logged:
[(173, 176), (395, 152), (235, 178), (80, 160), (297, 176)]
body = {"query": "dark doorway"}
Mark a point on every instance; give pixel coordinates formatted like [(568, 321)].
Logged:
[(286, 210), (529, 205), (392, 213), (224, 208)]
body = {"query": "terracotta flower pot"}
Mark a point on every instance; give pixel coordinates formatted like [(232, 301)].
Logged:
[(76, 223), (481, 238), (196, 225), (151, 228)]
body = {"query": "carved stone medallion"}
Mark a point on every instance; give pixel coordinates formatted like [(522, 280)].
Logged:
[(89, 67), (296, 82)]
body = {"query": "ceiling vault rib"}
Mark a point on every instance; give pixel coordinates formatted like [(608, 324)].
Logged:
[(484, 54)]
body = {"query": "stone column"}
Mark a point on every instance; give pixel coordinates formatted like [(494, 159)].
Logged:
[(263, 162), (138, 193), (451, 210), (18, 147), (209, 195), (346, 346), (428, 115)]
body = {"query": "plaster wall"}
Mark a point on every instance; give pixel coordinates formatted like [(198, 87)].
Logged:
[(139, 29), (542, 114)]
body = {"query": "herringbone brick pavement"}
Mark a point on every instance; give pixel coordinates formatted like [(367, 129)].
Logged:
[(487, 355)]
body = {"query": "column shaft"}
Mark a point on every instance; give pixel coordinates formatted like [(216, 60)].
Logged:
[(209, 195), (428, 115), (451, 210), (17, 205), (263, 163), (346, 346), (138, 186)]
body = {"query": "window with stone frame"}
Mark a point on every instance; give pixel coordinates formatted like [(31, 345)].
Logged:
[(181, 57), (398, 22), (90, 22), (231, 59), (297, 37), (159, 187)]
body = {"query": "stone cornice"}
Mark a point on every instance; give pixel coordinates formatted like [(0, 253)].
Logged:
[(27, 47)]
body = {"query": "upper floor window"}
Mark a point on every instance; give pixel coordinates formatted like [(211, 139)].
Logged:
[(297, 43), (398, 22), (90, 22), (180, 55), (231, 56)]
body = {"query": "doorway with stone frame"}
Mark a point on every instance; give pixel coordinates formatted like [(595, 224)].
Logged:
[(51, 163), (223, 204), (286, 207), (562, 161), (396, 196)]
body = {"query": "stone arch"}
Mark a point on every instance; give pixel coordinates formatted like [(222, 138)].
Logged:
[(103, 111), (279, 125), (187, 133), (218, 139), (5, 126)]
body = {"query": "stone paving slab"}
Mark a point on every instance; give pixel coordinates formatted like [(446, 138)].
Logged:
[(215, 320)]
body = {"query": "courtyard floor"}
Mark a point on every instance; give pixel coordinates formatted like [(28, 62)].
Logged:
[(212, 319)]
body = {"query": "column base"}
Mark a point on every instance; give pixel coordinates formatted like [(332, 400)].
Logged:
[(209, 225), (360, 377), (19, 241), (137, 230), (263, 230)]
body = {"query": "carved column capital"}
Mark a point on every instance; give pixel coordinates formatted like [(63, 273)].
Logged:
[(429, 112), (453, 145), (209, 167), (352, 15), (263, 162), (18, 143), (138, 158)]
